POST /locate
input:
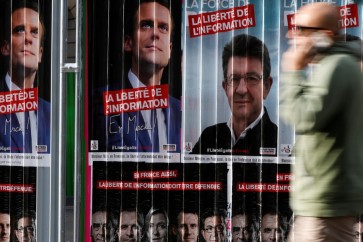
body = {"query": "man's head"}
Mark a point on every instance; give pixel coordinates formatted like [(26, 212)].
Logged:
[(247, 80), (148, 36), (213, 225), (270, 230), (187, 228), (315, 22), (25, 226), (156, 225), (242, 227), (4, 226), (98, 230), (24, 35), (131, 224)]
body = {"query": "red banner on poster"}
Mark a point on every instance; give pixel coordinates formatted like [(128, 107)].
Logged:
[(284, 177), (16, 188), (348, 16), (221, 21), (135, 99), (262, 187), (156, 174), (19, 101), (176, 186)]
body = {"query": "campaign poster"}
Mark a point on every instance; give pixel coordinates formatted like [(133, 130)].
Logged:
[(134, 81), (25, 83), (25, 117), (154, 201), (260, 202), (18, 202), (224, 117)]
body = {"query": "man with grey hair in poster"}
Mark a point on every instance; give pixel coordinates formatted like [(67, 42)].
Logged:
[(246, 82)]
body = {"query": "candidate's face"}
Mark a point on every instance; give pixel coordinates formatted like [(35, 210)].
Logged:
[(188, 227), (25, 46), (25, 231), (4, 227), (98, 231), (214, 229), (241, 230), (129, 230), (246, 98), (158, 228), (150, 43), (270, 228)]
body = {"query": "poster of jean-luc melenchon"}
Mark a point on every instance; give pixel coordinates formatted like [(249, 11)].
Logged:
[(230, 81)]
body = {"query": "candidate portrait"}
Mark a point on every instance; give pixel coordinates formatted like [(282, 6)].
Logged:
[(144, 126), (24, 117), (246, 83)]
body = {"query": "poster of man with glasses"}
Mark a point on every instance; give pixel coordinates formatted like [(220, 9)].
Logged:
[(231, 100)]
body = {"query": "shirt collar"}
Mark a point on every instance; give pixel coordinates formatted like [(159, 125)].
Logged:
[(12, 86), (243, 134), (134, 80)]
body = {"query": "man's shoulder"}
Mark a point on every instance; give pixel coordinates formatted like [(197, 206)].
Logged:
[(267, 122), (220, 129)]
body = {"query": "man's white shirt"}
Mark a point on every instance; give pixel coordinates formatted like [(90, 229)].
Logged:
[(244, 132)]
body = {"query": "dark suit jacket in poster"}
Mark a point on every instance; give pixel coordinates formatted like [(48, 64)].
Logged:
[(117, 132), (216, 139), (13, 141)]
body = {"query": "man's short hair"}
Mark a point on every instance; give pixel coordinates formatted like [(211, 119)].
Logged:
[(240, 210), (244, 45), (140, 217), (222, 213), (132, 7), (12, 6)]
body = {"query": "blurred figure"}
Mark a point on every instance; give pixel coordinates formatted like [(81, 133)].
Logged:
[(213, 225), (322, 95), (156, 224)]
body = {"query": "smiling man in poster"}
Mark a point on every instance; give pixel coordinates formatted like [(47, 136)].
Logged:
[(140, 114), (247, 82), (21, 111)]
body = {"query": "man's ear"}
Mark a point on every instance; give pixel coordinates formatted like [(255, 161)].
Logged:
[(267, 86), (5, 48), (203, 233), (128, 43), (224, 85)]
